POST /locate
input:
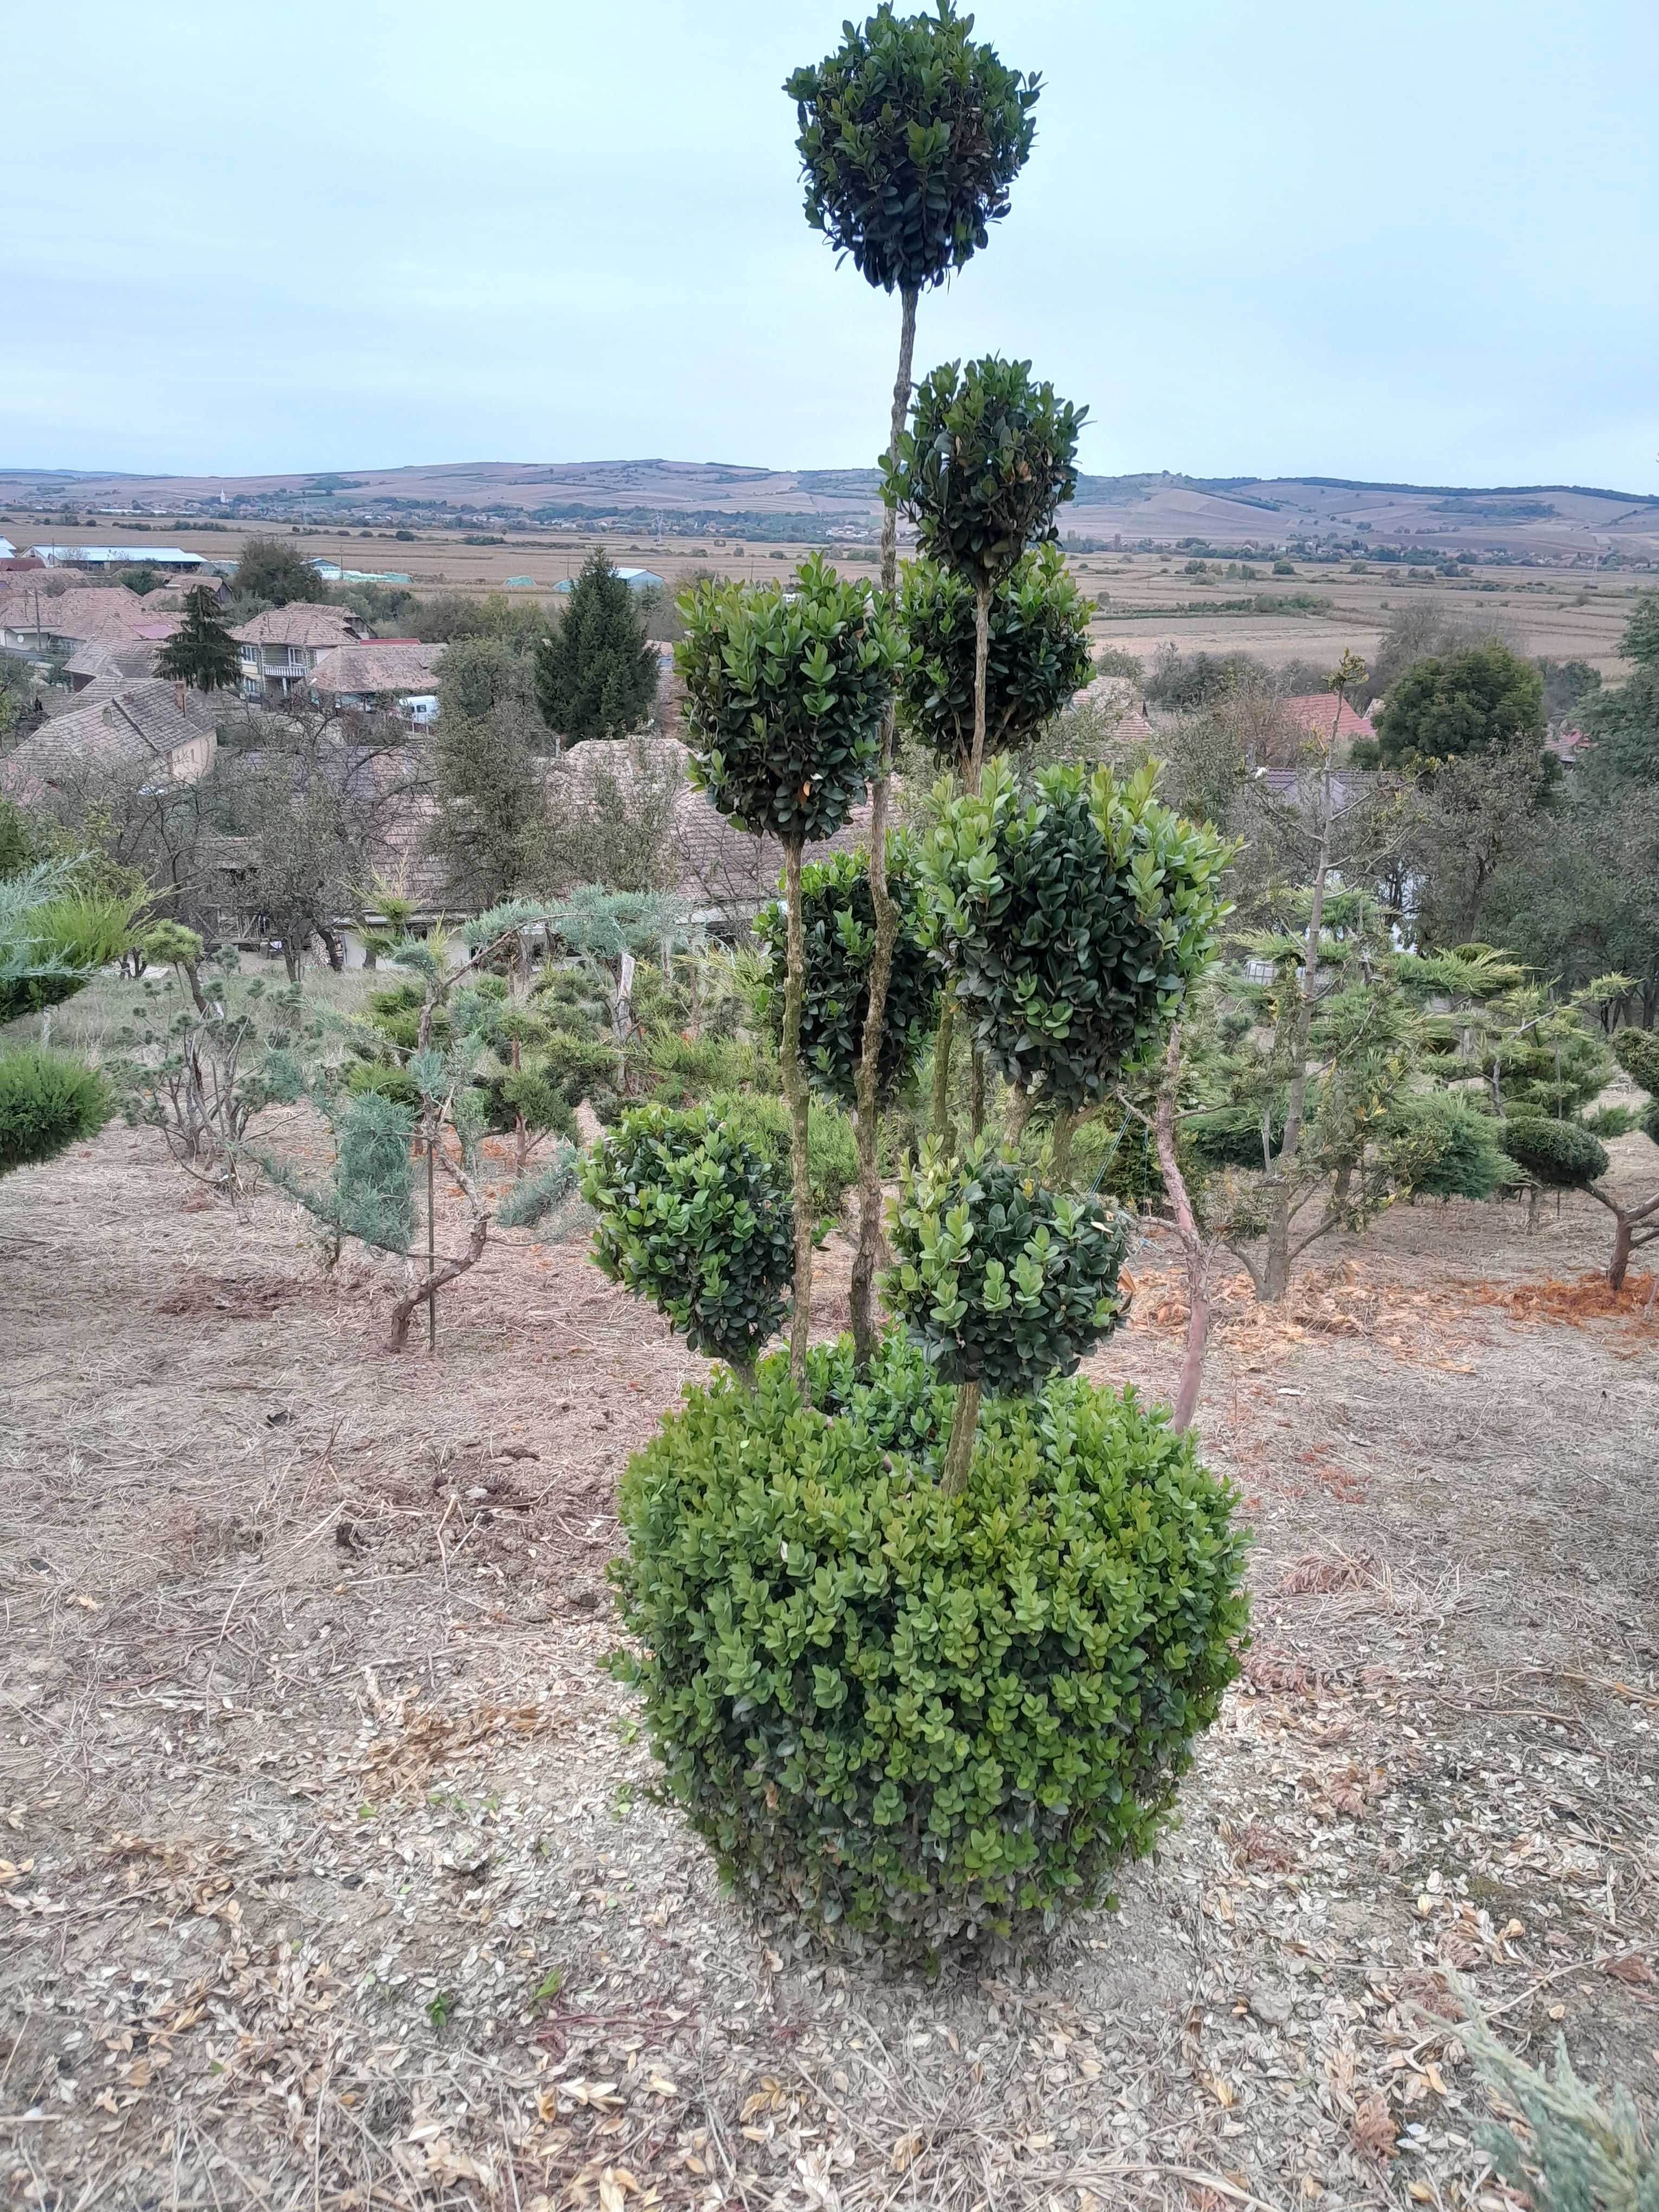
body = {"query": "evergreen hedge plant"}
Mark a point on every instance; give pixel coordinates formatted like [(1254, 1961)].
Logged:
[(925, 1719)]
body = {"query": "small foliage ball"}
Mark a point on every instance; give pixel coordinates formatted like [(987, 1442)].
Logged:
[(691, 1219), (839, 932), (925, 1720), (1561, 1155), (1002, 1280)]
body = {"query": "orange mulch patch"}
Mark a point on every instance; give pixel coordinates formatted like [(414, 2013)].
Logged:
[(1588, 1297)]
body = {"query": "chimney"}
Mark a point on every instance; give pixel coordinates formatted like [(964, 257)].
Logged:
[(179, 694)]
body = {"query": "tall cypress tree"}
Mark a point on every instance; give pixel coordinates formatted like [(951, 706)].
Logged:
[(201, 651), (596, 676)]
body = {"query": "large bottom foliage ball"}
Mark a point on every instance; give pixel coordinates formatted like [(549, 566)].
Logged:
[(48, 1101), (927, 1720)]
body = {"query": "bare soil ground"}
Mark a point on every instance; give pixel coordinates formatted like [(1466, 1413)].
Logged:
[(328, 1877)]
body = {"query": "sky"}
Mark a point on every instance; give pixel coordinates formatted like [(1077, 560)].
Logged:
[(1398, 240)]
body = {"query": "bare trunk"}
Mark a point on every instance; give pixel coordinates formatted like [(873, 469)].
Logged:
[(1192, 1248), (867, 1079), (976, 1091), (959, 1452), (981, 652), (1060, 1163), (941, 1101), (440, 1273), (1623, 1236), (794, 1088), (1018, 1114)]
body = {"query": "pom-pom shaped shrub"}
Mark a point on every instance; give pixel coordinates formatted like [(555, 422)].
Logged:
[(1446, 1148), (1559, 1155), (1073, 921), (784, 690), (925, 1719), (910, 135), (47, 1100), (1036, 654), (1003, 1281), (839, 923), (988, 458), (1636, 1052), (692, 1219)]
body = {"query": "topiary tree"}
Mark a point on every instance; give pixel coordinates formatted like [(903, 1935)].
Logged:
[(1000, 1281), (201, 651), (987, 461), (838, 938), (596, 675), (1036, 656), (785, 696), (691, 1219), (1073, 923), (911, 136)]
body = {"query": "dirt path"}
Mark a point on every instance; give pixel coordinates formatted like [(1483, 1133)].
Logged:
[(327, 1872)]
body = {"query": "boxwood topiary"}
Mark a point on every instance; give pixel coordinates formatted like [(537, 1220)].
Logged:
[(838, 923), (694, 1220), (925, 1719), (1561, 1155)]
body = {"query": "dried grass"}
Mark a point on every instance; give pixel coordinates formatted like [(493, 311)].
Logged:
[(329, 1878)]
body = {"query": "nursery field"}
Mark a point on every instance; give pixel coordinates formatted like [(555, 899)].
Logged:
[(328, 1872)]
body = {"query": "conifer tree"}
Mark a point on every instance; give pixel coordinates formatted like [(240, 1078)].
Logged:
[(200, 652), (596, 676)]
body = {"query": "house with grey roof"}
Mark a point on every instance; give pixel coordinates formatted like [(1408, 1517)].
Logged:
[(156, 730)]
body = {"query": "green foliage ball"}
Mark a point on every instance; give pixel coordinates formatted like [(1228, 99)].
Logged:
[(1446, 1148), (691, 1219), (785, 692), (839, 925), (1073, 922), (1481, 700), (910, 137), (988, 458), (761, 1120), (1561, 1155), (1636, 1052), (47, 1103), (1003, 1281), (1036, 657), (926, 1721)]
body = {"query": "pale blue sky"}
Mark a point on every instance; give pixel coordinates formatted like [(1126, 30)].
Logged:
[(1394, 239)]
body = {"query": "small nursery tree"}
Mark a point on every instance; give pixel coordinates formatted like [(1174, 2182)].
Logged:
[(785, 696), (911, 136), (1561, 1154)]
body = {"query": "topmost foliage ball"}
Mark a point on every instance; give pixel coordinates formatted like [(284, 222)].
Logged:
[(910, 137), (784, 690), (1073, 922)]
